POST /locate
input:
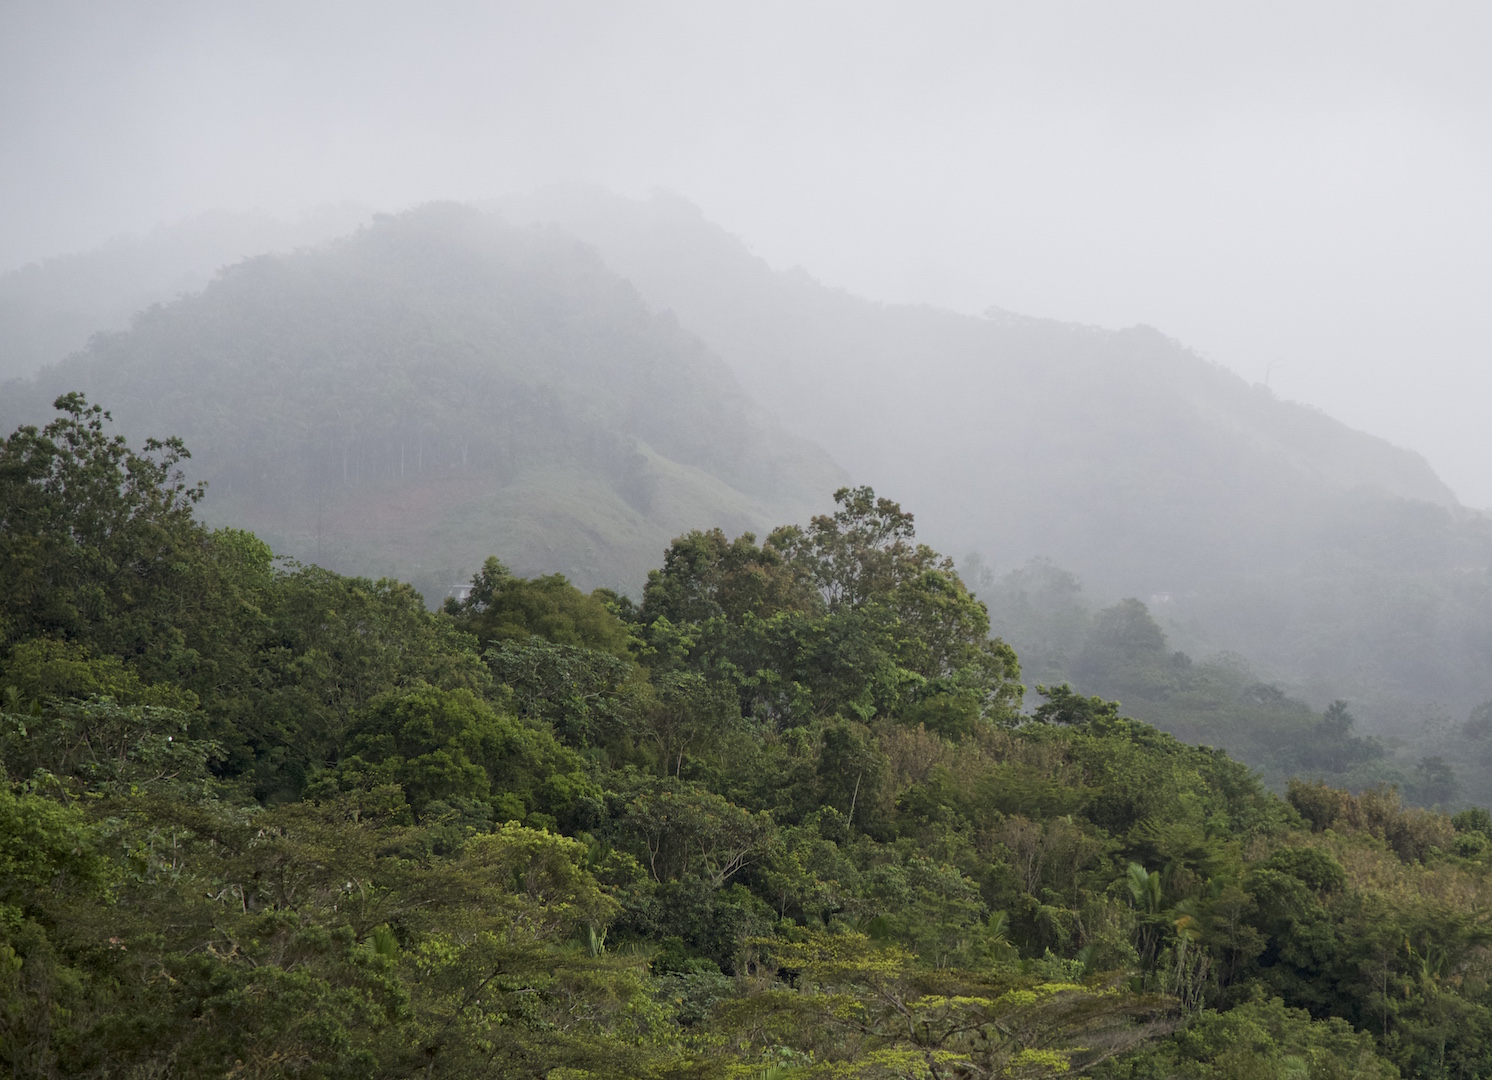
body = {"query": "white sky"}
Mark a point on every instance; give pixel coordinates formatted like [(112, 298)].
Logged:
[(1302, 187)]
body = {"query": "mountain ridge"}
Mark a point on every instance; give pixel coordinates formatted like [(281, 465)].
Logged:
[(661, 244), (49, 308), (441, 343), (1339, 564)]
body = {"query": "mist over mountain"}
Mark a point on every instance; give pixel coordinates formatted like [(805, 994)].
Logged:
[(439, 387), (1053, 411), (49, 309), (444, 384), (1335, 562), (1328, 556), (991, 579)]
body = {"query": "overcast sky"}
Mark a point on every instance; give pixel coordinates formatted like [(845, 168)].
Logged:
[(1294, 189)]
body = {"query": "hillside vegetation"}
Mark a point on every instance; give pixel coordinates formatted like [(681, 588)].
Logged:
[(1121, 651), (49, 309), (441, 385), (1330, 559), (405, 399), (783, 817)]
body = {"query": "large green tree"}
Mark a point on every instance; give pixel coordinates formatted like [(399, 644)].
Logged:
[(97, 540), (848, 615)]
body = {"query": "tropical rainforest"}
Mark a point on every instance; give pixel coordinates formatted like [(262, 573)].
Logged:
[(792, 812)]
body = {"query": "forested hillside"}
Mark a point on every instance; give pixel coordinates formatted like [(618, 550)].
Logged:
[(405, 399), (49, 309), (1121, 651), (1332, 560), (783, 817)]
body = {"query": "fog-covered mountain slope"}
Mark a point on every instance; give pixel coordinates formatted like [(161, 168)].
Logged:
[(1328, 555), (439, 387), (1128, 423), (49, 309), (1331, 559)]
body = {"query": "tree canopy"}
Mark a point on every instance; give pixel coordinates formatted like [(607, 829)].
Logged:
[(788, 816)]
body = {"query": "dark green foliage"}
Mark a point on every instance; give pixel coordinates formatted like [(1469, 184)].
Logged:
[(97, 744), (784, 815), (580, 693), (1064, 706), (1314, 868), (324, 647), (1122, 652), (705, 576), (504, 608), (41, 668), (1473, 820), (97, 540), (1258, 1039), (451, 748), (849, 616)]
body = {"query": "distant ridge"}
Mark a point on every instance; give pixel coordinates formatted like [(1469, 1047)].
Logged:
[(1107, 416), (49, 309), (439, 387), (1333, 558), (1334, 561)]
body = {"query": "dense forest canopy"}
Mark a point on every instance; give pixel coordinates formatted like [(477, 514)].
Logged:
[(793, 814)]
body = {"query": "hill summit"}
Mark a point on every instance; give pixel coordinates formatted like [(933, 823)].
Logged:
[(439, 386)]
